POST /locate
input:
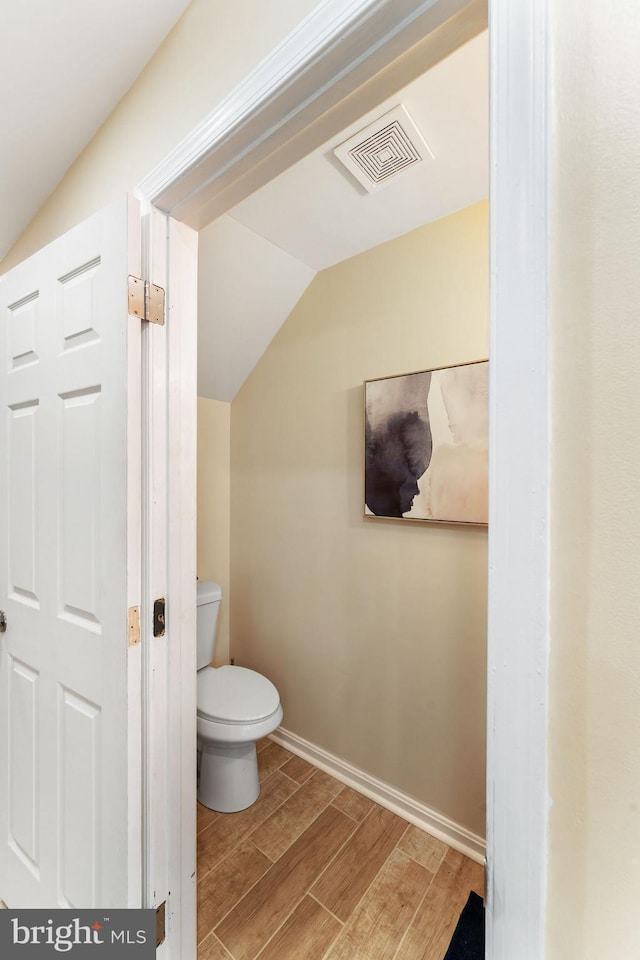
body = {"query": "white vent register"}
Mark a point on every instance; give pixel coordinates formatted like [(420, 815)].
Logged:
[(386, 148)]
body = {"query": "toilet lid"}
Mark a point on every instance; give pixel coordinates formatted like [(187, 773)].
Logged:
[(235, 695)]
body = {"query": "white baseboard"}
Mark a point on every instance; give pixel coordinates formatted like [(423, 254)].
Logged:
[(387, 796)]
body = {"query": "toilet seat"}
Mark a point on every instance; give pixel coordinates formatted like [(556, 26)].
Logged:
[(235, 695)]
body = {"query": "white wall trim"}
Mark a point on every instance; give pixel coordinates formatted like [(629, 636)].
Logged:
[(181, 412), (285, 62), (518, 640), (169, 535), (336, 38), (387, 796)]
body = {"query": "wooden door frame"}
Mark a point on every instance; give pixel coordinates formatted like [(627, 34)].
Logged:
[(336, 64)]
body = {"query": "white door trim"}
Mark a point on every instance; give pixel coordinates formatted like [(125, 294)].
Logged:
[(336, 49), (180, 823), (309, 66), (155, 557), (170, 259), (517, 806)]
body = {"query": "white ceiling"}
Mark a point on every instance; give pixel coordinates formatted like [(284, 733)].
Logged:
[(247, 287), (319, 213), (316, 214), (64, 65)]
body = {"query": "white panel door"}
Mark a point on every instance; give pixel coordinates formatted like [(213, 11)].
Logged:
[(70, 570)]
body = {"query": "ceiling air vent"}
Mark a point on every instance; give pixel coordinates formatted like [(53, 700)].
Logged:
[(384, 149)]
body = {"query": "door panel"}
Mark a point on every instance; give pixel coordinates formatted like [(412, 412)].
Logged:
[(21, 459), (79, 419), (69, 570), (24, 826), (80, 794)]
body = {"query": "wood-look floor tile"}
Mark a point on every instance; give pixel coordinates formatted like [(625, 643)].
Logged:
[(255, 919), (476, 875), (220, 837), (353, 804), (298, 769), (212, 949), (429, 935), (270, 759), (285, 825), (342, 885), (379, 922), (204, 816), (306, 935), (221, 888), (261, 744), (423, 847)]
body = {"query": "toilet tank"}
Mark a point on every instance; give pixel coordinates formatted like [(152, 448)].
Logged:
[(208, 597)]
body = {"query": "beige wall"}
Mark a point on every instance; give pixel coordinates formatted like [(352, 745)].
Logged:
[(214, 508), (211, 49), (594, 729), (374, 631)]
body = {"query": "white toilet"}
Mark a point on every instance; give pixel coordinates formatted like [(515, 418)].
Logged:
[(236, 707)]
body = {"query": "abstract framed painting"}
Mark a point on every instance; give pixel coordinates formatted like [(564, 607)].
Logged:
[(426, 445)]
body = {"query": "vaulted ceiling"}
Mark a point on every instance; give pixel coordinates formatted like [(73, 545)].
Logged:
[(64, 65), (257, 260)]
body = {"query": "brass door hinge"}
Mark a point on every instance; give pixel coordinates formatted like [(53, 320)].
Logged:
[(134, 626), (146, 300)]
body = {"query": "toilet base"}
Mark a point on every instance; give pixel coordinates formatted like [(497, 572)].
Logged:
[(228, 775)]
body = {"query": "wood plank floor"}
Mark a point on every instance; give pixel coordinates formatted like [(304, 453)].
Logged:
[(315, 871)]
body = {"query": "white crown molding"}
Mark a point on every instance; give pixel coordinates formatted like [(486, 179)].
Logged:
[(336, 38), (410, 809), (518, 636)]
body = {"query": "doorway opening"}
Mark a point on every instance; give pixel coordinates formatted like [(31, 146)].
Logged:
[(308, 287)]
